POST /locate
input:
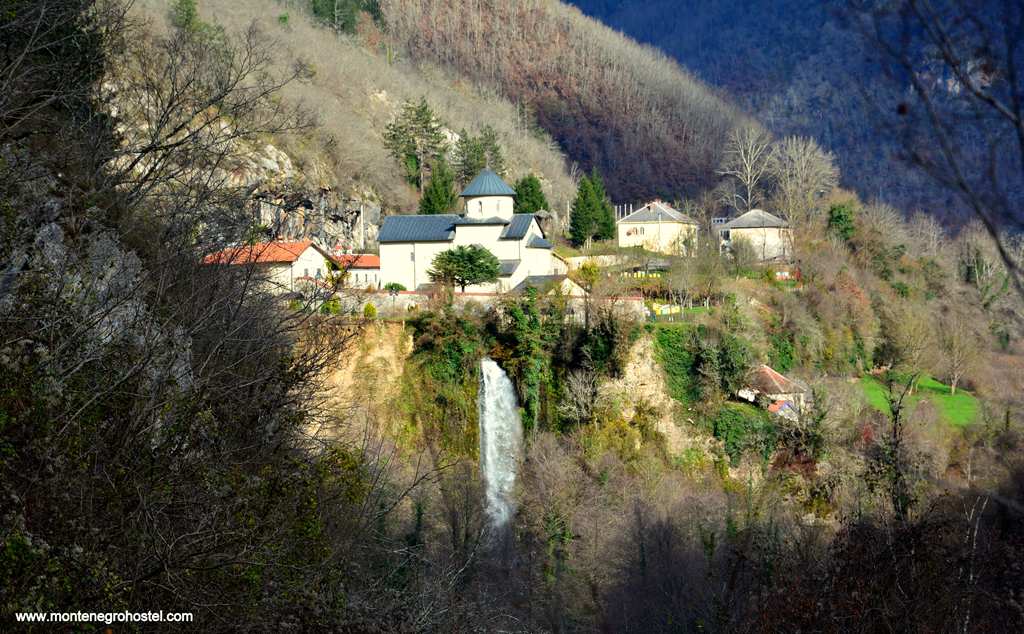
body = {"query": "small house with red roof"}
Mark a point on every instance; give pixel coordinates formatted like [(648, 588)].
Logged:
[(362, 270), (285, 262), (780, 394)]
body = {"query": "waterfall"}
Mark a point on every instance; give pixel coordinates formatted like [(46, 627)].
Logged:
[(501, 441)]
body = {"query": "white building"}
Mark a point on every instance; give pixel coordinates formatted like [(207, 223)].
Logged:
[(769, 236), (285, 263), (657, 227), (409, 244), (362, 270)]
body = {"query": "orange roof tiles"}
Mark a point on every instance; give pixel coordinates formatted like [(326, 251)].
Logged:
[(357, 260), (279, 251)]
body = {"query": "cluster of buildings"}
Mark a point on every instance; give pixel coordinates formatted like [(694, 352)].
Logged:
[(409, 244), (658, 227)]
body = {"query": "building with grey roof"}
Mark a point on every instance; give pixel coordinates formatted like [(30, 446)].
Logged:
[(657, 227), (409, 243), (767, 236)]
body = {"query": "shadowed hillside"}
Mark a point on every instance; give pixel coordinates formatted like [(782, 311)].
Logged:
[(646, 124), (799, 68)]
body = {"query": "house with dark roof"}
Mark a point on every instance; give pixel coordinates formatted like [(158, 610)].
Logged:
[(409, 244), (657, 227), (768, 236)]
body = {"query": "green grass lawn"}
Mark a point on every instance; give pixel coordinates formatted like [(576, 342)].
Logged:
[(960, 409)]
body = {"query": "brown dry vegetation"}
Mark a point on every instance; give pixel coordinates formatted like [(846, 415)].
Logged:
[(645, 123), (355, 90)]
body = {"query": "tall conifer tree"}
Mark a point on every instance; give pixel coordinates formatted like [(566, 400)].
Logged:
[(439, 196), (530, 197), (582, 218)]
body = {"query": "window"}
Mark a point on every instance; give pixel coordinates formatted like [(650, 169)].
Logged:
[(725, 235), (305, 272), (318, 272)]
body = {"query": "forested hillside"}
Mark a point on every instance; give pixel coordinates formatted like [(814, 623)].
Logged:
[(645, 123), (801, 68), (181, 433), (354, 85)]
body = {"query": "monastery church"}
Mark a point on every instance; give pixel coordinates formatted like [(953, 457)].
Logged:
[(408, 244)]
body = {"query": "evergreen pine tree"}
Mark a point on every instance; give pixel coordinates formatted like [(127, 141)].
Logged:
[(439, 196), (415, 138), (493, 153), (468, 157), (473, 153), (582, 220), (604, 213), (529, 196)]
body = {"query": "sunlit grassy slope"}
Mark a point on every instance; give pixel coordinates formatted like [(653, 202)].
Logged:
[(960, 409)]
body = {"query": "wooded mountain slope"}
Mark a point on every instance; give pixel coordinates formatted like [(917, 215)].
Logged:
[(798, 68), (645, 123), (356, 85)]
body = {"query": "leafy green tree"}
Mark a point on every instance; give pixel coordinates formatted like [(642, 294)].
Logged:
[(416, 138), (439, 196), (840, 221), (530, 196), (465, 266), (604, 213), (583, 216), (473, 153), (394, 286)]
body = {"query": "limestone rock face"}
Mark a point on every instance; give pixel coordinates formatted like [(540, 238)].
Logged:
[(298, 203)]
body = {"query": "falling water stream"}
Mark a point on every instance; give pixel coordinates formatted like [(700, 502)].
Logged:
[(501, 442)]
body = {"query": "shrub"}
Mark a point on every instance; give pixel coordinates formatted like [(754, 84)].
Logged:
[(840, 221), (743, 427), (394, 286), (672, 347), (369, 311), (782, 352)]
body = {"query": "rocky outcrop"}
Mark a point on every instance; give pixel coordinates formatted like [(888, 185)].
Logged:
[(294, 203), (643, 382)]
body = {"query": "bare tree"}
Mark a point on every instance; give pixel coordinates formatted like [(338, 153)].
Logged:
[(747, 159), (581, 396), (960, 342), (803, 174)]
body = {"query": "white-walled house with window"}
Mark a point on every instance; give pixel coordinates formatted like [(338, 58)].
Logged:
[(769, 236), (362, 270), (409, 244), (285, 263), (657, 227)]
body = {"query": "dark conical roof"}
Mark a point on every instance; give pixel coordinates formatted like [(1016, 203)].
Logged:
[(487, 183)]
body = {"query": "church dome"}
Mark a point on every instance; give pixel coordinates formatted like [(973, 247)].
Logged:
[(487, 183)]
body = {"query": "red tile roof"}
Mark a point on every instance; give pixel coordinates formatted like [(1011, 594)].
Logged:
[(768, 381), (279, 251), (357, 260)]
